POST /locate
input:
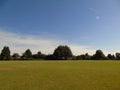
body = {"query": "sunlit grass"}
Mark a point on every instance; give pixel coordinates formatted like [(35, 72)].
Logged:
[(60, 75)]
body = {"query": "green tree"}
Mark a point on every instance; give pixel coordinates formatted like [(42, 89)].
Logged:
[(83, 57), (39, 55), (50, 57), (87, 57), (27, 54), (118, 56), (62, 52), (16, 56), (111, 57), (99, 55), (5, 53)]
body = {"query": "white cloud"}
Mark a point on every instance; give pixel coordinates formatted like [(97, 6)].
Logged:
[(79, 49), (19, 43)]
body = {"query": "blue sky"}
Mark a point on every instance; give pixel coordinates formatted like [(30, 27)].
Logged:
[(84, 25)]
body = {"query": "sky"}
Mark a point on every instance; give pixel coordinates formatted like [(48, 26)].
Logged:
[(42, 25)]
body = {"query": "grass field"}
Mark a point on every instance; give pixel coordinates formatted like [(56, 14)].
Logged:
[(60, 75)]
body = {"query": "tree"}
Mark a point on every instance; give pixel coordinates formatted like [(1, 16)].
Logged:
[(5, 53), (99, 55), (118, 56), (83, 57), (111, 57), (62, 52), (16, 56), (87, 56), (27, 54), (50, 57), (39, 55)]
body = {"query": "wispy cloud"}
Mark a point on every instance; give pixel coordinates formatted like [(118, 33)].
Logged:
[(97, 17), (19, 43), (93, 10), (79, 49)]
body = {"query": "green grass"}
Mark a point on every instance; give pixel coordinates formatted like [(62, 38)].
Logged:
[(60, 75)]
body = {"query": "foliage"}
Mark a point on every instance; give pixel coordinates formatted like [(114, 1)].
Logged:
[(99, 55), (118, 56), (27, 54), (62, 52), (50, 57), (5, 54), (39, 55), (15, 56), (83, 57), (111, 57)]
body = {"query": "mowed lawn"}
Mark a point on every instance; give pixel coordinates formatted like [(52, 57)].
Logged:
[(60, 75)]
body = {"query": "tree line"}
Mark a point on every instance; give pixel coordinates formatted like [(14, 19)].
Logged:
[(62, 52)]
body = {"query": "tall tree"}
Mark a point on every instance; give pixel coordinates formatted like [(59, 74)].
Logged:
[(62, 52), (5, 53), (99, 55), (27, 54)]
